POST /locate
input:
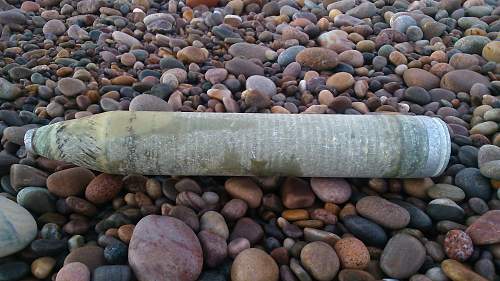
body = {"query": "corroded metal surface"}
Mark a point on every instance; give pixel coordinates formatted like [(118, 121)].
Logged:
[(177, 143)]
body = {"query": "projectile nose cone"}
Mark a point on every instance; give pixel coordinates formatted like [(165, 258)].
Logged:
[(28, 140)]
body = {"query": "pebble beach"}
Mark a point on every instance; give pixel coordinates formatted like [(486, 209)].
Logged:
[(63, 60)]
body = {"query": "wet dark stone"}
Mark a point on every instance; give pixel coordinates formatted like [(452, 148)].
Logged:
[(48, 247), (473, 183), (367, 231)]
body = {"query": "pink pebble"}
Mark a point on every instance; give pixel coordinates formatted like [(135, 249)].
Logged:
[(75, 271)]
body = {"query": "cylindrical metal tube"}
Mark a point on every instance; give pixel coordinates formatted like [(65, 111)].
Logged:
[(226, 144)]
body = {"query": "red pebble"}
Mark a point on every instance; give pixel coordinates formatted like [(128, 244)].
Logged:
[(458, 245)]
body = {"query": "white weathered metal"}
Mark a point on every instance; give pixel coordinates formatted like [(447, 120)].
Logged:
[(232, 144)]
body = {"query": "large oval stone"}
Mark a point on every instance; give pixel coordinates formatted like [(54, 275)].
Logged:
[(165, 249), (254, 265), (17, 227), (317, 58), (383, 212), (486, 229), (402, 256), (421, 78), (320, 260), (454, 80)]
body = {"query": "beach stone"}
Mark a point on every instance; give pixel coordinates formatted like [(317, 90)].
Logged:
[(234, 209), (245, 189), (42, 267), (418, 218), (473, 183), (491, 170), (317, 58), (208, 3), (367, 231), (296, 193), (69, 182), (19, 72), (15, 134), (239, 66), (433, 29), (417, 95), (214, 222), (55, 109), (149, 103), (36, 199), (8, 91), (443, 190), (55, 27), (325, 97), (77, 33), (363, 10), (402, 22), (216, 75), (159, 23), (341, 81), (352, 57), (355, 275), (112, 273), (291, 33), (421, 78), (70, 86), (352, 253), (458, 245), (12, 17), (491, 51), (336, 40), (402, 256), (456, 271), (288, 55), (13, 270), (187, 215), (342, 5), (247, 228), (191, 54), (320, 260), (383, 212), (492, 115), (486, 128), (125, 39), (334, 190), (6, 161), (237, 246), (17, 227), (257, 99), (463, 61), (254, 265), (261, 84), (454, 81), (485, 230), (164, 248), (444, 209), (116, 253), (103, 188), (75, 271), (88, 6), (488, 153), (251, 51), (346, 20), (48, 247), (472, 44), (24, 175), (214, 248), (388, 36), (91, 256)]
